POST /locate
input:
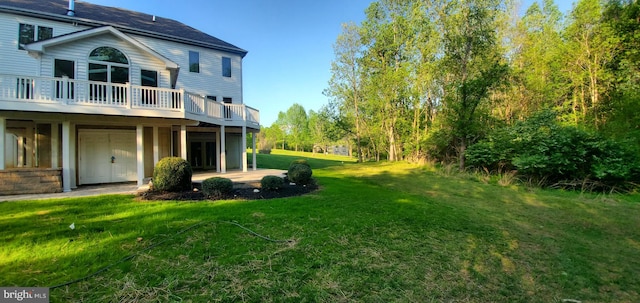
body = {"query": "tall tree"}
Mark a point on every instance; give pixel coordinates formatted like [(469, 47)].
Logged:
[(346, 78), (386, 34), (590, 47), (472, 63)]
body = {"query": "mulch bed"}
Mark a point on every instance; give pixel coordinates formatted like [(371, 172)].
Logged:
[(241, 191)]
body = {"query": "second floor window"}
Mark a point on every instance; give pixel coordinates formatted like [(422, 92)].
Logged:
[(30, 33), (226, 67), (194, 62)]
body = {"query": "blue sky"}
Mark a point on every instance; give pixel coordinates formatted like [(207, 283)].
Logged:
[(290, 42)]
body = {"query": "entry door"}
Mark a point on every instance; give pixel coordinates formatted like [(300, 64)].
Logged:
[(107, 156)]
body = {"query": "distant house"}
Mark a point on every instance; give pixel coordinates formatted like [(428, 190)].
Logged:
[(99, 94)]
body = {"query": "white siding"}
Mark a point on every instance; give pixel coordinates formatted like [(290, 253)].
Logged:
[(15, 61), (210, 80), (79, 52)]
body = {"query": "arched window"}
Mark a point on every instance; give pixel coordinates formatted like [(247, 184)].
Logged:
[(107, 64)]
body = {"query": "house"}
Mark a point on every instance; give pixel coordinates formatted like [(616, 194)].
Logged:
[(94, 94)]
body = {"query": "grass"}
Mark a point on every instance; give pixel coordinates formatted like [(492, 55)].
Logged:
[(375, 232)]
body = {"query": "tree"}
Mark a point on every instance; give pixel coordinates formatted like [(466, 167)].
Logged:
[(472, 64), (345, 85), (590, 47)]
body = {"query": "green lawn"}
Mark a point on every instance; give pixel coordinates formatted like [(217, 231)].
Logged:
[(374, 232)]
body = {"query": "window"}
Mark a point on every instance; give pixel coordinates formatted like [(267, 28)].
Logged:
[(226, 67), (44, 32), (149, 78), (194, 62), (27, 34), (61, 69), (107, 64), (212, 98)]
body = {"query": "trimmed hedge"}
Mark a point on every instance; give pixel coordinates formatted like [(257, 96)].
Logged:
[(300, 172), (172, 174), (271, 183), (217, 187)]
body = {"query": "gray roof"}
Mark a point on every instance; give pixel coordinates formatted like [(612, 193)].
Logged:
[(124, 20)]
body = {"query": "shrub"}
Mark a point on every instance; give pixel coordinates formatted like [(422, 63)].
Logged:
[(172, 174), (300, 173), (299, 161), (217, 187), (542, 149), (271, 183)]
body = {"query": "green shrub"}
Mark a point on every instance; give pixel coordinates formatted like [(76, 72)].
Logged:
[(271, 183), (540, 148), (217, 187), (299, 173), (299, 161), (172, 174)]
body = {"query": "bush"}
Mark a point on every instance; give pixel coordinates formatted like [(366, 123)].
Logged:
[(542, 149), (299, 172), (217, 187), (271, 183), (172, 174), (301, 162)]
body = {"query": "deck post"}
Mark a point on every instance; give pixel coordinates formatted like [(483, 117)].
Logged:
[(253, 148), (156, 147), (218, 151), (66, 156), (223, 151), (183, 142), (3, 127), (140, 153), (55, 145), (244, 147)]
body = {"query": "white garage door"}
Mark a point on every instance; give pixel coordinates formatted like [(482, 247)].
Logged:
[(107, 156)]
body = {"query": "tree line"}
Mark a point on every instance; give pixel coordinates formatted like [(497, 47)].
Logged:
[(426, 79)]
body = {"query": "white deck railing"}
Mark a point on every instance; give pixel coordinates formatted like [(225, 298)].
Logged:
[(70, 92)]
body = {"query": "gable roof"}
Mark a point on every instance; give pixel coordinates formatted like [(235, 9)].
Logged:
[(39, 46), (124, 20)]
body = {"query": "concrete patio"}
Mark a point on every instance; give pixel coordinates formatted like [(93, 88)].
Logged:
[(238, 178)]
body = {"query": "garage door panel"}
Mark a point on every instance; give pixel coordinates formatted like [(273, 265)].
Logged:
[(124, 148), (107, 156)]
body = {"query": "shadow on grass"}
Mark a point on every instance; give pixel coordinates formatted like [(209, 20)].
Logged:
[(373, 232)]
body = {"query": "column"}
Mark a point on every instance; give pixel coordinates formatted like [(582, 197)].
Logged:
[(21, 153), (29, 144), (3, 139), (223, 151), (183, 142), (253, 148), (156, 147), (218, 151), (55, 145), (72, 152), (140, 153), (244, 148), (66, 156)]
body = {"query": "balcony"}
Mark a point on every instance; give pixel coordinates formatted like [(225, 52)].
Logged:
[(63, 95)]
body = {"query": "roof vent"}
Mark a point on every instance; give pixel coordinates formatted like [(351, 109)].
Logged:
[(154, 18), (71, 11)]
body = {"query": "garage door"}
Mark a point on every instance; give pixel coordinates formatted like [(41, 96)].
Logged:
[(107, 156)]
